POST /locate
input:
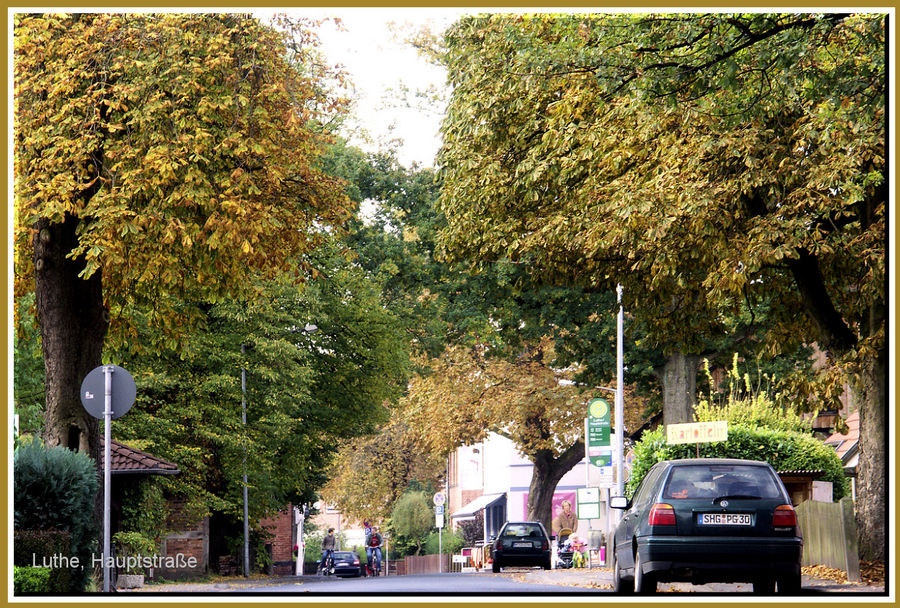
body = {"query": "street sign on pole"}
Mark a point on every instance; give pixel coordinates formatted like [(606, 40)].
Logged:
[(119, 391), (439, 498), (598, 439)]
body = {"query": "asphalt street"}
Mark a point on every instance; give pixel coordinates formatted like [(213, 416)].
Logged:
[(509, 582)]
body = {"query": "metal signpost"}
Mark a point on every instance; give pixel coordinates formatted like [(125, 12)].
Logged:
[(119, 391), (439, 524)]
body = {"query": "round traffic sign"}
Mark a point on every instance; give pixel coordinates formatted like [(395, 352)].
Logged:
[(93, 391), (439, 498)]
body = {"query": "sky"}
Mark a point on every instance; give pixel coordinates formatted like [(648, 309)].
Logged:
[(380, 65)]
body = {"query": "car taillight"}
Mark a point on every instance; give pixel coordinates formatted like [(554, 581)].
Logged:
[(662, 514), (356, 562), (545, 546), (498, 545), (784, 517)]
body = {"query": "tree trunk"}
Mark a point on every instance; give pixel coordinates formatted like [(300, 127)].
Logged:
[(73, 324), (544, 479), (679, 383), (871, 487)]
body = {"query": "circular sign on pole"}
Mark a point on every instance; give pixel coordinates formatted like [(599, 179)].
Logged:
[(439, 499), (93, 391)]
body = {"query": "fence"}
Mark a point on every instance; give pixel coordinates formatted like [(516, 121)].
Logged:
[(425, 564), (829, 535)]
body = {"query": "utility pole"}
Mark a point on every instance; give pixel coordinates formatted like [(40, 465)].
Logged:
[(620, 403), (244, 422)]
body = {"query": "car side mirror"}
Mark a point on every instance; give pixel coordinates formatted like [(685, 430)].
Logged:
[(618, 502)]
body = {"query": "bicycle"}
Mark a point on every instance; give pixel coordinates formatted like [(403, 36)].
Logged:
[(329, 565), (373, 568)]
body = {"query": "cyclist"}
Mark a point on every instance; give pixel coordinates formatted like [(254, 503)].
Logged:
[(373, 547), (328, 544)]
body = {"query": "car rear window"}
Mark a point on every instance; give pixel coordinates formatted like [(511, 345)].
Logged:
[(713, 481), (532, 530)]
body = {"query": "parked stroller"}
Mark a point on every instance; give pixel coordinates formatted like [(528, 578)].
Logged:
[(564, 552)]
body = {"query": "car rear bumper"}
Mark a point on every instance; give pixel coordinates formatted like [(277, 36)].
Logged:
[(722, 559), (513, 559)]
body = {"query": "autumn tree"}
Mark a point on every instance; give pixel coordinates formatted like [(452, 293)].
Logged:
[(469, 394), (157, 155), (370, 473), (707, 162)]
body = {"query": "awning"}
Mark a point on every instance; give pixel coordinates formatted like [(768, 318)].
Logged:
[(482, 502)]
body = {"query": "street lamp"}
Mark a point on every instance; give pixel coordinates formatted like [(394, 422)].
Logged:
[(244, 422)]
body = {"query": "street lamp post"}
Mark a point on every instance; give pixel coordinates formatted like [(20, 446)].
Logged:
[(244, 422)]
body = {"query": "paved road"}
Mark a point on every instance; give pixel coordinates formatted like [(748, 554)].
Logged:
[(510, 582)]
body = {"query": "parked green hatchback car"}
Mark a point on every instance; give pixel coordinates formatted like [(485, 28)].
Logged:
[(708, 520)]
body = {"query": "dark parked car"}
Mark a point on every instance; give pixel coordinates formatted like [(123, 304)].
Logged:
[(521, 543), (708, 520), (346, 563)]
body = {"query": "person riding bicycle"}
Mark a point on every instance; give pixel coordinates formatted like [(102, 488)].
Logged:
[(373, 546), (328, 544)]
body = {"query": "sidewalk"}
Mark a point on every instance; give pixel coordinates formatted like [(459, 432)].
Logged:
[(601, 578)]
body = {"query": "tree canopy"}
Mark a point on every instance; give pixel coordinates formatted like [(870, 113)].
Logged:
[(708, 162), (156, 154)]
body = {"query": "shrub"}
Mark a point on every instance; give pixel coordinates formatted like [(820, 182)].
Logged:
[(38, 547), (28, 579), (133, 545), (54, 489), (784, 450), (447, 542)]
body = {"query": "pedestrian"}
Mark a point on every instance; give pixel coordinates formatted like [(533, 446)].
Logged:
[(328, 545)]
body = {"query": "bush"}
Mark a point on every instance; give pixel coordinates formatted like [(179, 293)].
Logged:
[(784, 450), (28, 579), (448, 542), (38, 547), (133, 545), (54, 489)]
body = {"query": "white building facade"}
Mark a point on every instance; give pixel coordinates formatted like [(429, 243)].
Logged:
[(495, 478)]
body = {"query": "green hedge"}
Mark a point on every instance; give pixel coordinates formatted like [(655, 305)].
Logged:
[(784, 450), (32, 547), (28, 579), (54, 489)]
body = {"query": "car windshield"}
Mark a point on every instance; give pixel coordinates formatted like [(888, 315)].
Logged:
[(719, 481), (343, 555), (523, 530)]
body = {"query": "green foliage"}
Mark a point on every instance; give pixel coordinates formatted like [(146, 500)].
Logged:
[(28, 369), (305, 393), (32, 547), (134, 545), (750, 405), (785, 450), (413, 517), (448, 542), (144, 508), (54, 489), (28, 579)]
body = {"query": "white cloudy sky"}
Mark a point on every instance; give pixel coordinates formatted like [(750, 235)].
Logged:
[(380, 64)]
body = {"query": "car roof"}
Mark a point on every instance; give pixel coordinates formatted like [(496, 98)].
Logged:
[(713, 461)]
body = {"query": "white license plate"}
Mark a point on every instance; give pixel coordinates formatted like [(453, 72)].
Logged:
[(725, 519), (523, 545)]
